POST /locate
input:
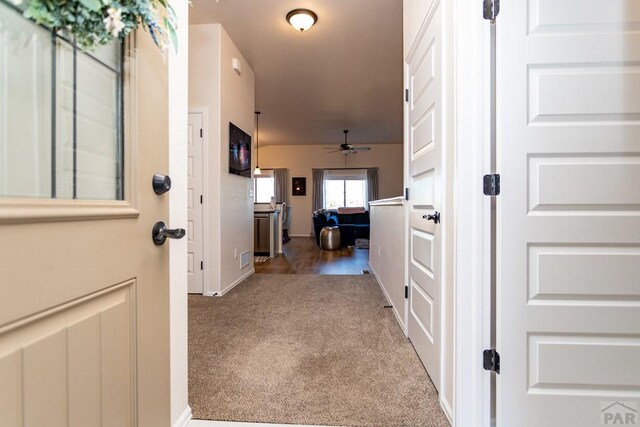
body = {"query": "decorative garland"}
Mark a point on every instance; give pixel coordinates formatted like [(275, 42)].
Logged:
[(98, 22)]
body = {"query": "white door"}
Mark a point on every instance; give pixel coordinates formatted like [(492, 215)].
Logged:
[(84, 306), (195, 263), (569, 212), (424, 180)]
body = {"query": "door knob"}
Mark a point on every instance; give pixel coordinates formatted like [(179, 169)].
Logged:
[(435, 217), (161, 183), (160, 233)]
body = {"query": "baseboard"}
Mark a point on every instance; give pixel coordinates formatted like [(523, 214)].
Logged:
[(300, 235), (184, 419), (446, 408), (375, 275), (234, 284), (386, 295)]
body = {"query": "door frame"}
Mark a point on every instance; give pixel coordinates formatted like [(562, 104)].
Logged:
[(206, 207), (472, 300), (471, 161), (178, 81), (203, 187)]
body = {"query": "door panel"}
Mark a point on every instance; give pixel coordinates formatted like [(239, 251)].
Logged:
[(194, 207), (76, 356), (84, 337), (424, 151), (568, 212)]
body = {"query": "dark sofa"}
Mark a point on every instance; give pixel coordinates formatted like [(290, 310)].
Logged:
[(352, 226)]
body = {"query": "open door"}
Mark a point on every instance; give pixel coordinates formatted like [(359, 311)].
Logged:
[(424, 118), (84, 312), (568, 213)]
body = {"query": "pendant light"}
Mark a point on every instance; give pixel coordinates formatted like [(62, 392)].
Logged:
[(257, 170)]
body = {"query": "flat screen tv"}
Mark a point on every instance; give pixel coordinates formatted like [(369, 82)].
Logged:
[(239, 151)]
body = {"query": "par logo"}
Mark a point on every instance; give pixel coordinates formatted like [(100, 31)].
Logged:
[(619, 413)]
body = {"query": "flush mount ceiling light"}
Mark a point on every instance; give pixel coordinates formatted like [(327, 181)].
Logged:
[(302, 19)]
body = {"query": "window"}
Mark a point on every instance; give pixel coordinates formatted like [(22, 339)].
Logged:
[(61, 114), (264, 187), (345, 188)]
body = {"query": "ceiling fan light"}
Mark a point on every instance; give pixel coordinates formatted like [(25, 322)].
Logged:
[(302, 19)]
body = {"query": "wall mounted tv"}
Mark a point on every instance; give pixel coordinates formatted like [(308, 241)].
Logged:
[(239, 151)]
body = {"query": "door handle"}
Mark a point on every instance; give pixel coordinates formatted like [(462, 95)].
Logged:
[(435, 217), (160, 233)]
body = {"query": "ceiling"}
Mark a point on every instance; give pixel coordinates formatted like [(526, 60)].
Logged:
[(344, 73)]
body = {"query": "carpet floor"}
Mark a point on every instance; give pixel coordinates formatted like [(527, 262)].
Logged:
[(306, 349)]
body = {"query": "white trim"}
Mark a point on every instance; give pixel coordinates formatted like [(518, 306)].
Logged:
[(392, 201), (446, 408), (472, 281), (448, 209), (231, 286), (388, 298), (301, 235), (178, 96), (184, 419)]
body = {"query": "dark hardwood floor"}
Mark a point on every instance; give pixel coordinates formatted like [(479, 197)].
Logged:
[(302, 256)]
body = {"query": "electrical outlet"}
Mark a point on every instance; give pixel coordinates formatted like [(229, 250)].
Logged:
[(235, 254)]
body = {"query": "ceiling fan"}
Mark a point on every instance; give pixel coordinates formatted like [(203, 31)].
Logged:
[(347, 148)]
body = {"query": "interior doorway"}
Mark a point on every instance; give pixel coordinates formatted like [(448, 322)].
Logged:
[(320, 344)]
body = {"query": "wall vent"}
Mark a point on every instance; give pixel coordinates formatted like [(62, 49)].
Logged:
[(245, 258)]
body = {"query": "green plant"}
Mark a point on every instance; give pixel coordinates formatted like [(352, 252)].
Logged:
[(97, 22)]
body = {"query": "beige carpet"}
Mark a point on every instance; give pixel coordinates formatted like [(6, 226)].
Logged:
[(305, 349)]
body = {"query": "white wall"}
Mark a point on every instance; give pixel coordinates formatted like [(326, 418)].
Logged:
[(301, 159), (387, 252), (224, 97), (204, 95), (178, 105), (238, 106)]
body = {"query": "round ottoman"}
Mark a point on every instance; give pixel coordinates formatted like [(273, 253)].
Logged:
[(330, 238)]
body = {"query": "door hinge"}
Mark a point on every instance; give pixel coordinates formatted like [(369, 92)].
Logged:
[(491, 360), (201, 265), (406, 95), (490, 9), (406, 292), (491, 184), (406, 194), (200, 133), (201, 199)]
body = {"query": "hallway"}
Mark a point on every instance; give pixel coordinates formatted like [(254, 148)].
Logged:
[(305, 349), (301, 255)]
